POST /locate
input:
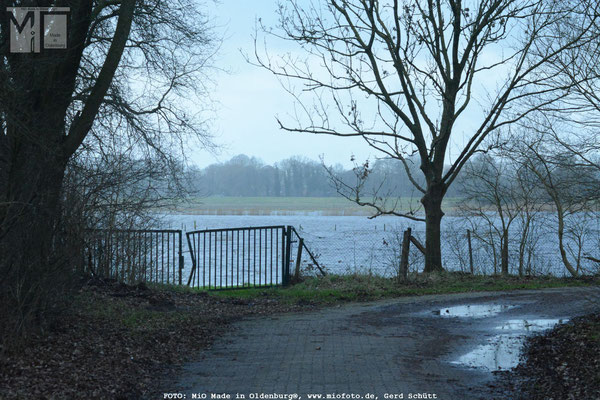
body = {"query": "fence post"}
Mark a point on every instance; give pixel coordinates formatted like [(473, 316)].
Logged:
[(470, 250), (298, 260), (288, 250), (404, 256)]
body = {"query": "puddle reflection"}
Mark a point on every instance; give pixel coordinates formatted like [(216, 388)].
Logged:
[(502, 352), (530, 325), (473, 310)]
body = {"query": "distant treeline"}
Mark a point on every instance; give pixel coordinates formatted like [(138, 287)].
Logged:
[(297, 177)]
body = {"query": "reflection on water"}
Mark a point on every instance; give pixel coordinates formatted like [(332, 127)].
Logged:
[(531, 325), (502, 351), (473, 310)]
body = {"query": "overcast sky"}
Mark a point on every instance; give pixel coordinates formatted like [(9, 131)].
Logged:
[(249, 98)]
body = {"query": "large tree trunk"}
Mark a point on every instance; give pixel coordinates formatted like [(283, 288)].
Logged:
[(32, 258), (35, 145), (432, 202)]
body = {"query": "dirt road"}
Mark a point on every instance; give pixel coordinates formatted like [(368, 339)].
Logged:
[(442, 346)]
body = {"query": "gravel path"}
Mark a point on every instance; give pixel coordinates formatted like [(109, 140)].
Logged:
[(412, 347)]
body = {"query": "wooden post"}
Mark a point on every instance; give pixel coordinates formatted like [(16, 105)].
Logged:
[(417, 244), (308, 251), (404, 256), (470, 250), (298, 260)]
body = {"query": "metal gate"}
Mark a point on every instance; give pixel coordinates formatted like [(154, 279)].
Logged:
[(240, 257), (133, 256)]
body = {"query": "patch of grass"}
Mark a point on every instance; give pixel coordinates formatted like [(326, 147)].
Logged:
[(342, 288), (133, 315), (173, 288), (226, 205), (136, 318)]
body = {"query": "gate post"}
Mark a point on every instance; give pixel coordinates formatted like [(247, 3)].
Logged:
[(288, 250), (298, 260), (181, 261), (194, 262)]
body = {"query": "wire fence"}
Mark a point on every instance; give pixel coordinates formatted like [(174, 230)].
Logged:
[(378, 251), (133, 256), (355, 250)]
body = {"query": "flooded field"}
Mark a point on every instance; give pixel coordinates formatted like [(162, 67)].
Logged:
[(356, 244)]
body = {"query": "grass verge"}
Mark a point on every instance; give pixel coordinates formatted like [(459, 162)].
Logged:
[(341, 288), (332, 206)]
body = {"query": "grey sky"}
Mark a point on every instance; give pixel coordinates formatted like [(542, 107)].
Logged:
[(250, 98)]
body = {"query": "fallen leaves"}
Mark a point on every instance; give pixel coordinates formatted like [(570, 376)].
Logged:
[(121, 342), (561, 364)]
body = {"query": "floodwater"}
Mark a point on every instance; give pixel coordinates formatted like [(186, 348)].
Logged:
[(355, 244)]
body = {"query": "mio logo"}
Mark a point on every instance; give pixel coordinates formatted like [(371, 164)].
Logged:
[(33, 29)]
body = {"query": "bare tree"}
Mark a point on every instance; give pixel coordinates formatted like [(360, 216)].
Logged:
[(113, 190), (570, 186), (382, 190), (400, 75), (125, 69), (500, 193)]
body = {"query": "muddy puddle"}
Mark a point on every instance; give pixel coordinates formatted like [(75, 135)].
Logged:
[(502, 351), (473, 310)]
